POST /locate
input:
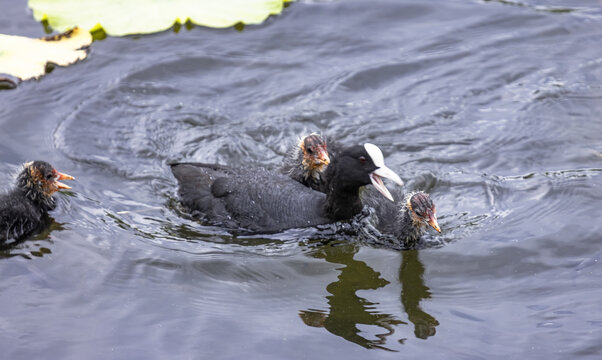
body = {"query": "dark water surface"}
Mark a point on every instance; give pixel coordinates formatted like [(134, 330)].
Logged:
[(493, 107)]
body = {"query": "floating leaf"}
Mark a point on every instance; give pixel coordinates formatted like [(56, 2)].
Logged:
[(26, 58), (125, 17)]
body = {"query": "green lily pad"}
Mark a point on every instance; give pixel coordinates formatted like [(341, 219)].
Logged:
[(125, 17), (27, 58)]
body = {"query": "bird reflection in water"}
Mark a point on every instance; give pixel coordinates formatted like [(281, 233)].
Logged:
[(34, 246), (347, 310), (413, 291)]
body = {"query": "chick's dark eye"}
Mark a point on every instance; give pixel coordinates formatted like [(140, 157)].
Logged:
[(362, 159), (48, 176), (309, 150)]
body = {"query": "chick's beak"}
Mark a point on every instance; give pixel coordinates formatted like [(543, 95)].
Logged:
[(433, 221), (322, 157), (384, 172), (61, 176)]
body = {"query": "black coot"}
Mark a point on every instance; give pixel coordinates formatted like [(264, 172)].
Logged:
[(24, 210), (406, 218), (261, 200)]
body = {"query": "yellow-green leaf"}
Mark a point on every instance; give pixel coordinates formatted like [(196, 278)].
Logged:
[(124, 17), (26, 58)]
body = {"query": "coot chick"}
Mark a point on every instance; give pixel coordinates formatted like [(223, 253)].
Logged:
[(306, 162), (24, 209), (406, 219), (264, 201)]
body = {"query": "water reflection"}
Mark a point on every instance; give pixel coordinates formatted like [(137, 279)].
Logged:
[(32, 246), (347, 310), (413, 291)]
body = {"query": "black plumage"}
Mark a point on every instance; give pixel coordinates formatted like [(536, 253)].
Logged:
[(261, 200), (405, 219), (24, 209)]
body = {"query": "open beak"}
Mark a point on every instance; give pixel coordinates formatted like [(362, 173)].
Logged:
[(61, 176), (433, 222), (384, 172)]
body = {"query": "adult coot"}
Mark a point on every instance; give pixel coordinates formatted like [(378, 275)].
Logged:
[(306, 162), (24, 209), (265, 201), (406, 219)]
